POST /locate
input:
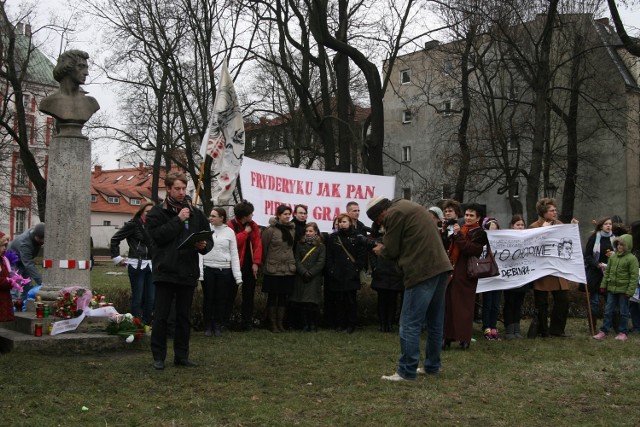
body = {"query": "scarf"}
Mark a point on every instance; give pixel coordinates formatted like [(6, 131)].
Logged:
[(454, 251), (286, 233), (596, 245), (174, 205)]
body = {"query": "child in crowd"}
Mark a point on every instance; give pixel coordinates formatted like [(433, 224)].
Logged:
[(619, 282), (310, 254), (491, 299)]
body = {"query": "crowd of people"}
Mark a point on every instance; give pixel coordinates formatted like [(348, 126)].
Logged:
[(415, 258)]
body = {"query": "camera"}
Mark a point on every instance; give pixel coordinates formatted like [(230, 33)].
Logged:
[(450, 221)]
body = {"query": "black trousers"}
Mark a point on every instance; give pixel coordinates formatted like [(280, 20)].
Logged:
[(248, 294), (166, 293), (559, 312), (387, 307), (217, 286), (346, 314), (513, 301)]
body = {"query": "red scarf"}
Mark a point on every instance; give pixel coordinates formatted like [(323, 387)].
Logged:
[(454, 251)]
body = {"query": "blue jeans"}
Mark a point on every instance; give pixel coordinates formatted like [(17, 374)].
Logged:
[(594, 301), (490, 309), (143, 293), (634, 312), (422, 304), (621, 302)]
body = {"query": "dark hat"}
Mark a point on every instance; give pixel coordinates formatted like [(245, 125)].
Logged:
[(38, 231), (376, 206)]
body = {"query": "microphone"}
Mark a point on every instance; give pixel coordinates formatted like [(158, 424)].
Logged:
[(187, 204)]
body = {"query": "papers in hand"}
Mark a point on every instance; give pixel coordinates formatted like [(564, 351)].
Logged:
[(193, 238)]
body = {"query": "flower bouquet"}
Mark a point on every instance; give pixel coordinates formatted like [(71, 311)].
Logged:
[(126, 325), (98, 301), (72, 302)]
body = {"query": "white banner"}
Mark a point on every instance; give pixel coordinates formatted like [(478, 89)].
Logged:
[(61, 326), (526, 255), (325, 193)]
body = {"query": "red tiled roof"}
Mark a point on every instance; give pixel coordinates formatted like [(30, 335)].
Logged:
[(123, 183)]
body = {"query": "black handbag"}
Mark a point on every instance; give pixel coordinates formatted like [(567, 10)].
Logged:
[(480, 268)]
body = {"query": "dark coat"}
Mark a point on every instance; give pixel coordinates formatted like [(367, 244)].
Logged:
[(167, 231), (138, 239), (305, 289), (343, 274), (593, 272), (384, 272), (461, 293)]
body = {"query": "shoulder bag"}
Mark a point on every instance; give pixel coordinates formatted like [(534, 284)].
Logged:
[(480, 268)]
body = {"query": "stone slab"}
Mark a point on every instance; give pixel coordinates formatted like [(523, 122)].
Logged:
[(67, 343)]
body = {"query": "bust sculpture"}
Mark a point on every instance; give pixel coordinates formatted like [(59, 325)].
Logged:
[(70, 105)]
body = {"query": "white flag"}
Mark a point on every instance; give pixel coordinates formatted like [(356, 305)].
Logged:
[(224, 140)]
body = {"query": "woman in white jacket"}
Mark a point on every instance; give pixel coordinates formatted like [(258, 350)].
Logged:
[(221, 274)]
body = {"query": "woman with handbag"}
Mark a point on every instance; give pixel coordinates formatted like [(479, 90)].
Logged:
[(346, 256), (310, 255), (467, 241), (279, 265)]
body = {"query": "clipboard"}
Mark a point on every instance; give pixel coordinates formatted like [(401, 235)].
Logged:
[(193, 238)]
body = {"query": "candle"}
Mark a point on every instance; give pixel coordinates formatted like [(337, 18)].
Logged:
[(38, 329), (39, 310)]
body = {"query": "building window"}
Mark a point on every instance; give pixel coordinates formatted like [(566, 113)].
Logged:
[(406, 193), (20, 221), (22, 179), (94, 198), (446, 108), (406, 116), (106, 222), (405, 76), (406, 154), (514, 94), (448, 67), (134, 201), (113, 199)]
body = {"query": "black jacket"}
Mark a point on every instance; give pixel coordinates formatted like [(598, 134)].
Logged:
[(167, 231), (137, 237), (343, 274)]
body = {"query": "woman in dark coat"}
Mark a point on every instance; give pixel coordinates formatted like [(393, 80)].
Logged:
[(466, 241), (310, 255), (596, 256), (387, 282), (279, 265), (138, 262), (346, 256)]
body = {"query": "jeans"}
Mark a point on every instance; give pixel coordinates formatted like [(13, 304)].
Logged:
[(490, 309), (143, 293), (422, 304), (594, 302), (621, 302), (634, 312)]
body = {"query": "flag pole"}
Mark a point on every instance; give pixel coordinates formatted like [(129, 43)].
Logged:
[(195, 203)]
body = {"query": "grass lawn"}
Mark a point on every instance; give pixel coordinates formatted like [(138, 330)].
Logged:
[(329, 379)]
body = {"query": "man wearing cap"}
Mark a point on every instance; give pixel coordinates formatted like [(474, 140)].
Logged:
[(413, 242), (27, 245)]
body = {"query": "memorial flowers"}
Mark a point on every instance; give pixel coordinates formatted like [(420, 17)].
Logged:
[(126, 325), (72, 302)]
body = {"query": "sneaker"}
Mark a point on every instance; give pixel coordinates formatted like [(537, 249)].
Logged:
[(395, 377), (495, 335), (488, 335), (621, 336), (600, 336), (421, 371)]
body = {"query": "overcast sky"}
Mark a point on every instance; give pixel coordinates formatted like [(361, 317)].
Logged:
[(98, 85)]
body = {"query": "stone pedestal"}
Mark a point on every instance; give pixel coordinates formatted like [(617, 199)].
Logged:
[(67, 245)]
